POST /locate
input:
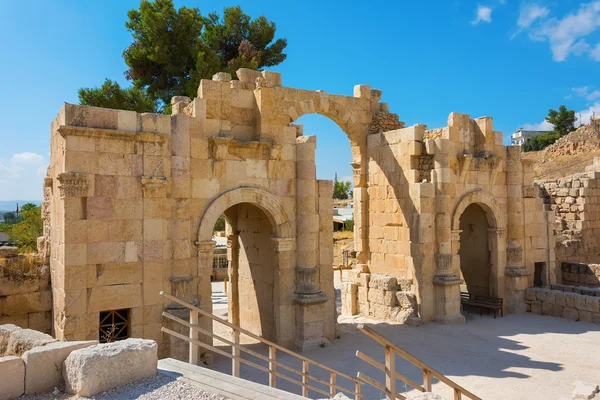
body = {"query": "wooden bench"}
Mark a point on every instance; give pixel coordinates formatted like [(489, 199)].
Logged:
[(483, 302)]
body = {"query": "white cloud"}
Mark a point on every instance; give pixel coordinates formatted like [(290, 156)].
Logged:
[(587, 93), (27, 158), (542, 126), (584, 116), (567, 35), (484, 14), (2, 182), (529, 13)]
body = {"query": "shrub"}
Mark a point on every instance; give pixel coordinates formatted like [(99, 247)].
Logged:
[(540, 142)]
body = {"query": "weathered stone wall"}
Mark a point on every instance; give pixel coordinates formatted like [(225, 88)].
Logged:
[(576, 203), (421, 181), (565, 302), (132, 200), (580, 274), (25, 295)]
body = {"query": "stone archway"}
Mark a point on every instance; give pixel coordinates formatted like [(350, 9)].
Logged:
[(282, 243), (495, 236)]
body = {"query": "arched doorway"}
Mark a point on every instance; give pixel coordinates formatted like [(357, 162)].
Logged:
[(252, 271), (260, 245), (475, 268)]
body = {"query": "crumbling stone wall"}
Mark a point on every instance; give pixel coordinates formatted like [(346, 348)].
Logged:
[(378, 296), (25, 292), (575, 201)]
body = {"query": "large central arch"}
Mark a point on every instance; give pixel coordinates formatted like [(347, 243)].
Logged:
[(245, 194)]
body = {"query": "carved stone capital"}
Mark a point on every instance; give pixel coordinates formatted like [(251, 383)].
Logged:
[(514, 256), (181, 287), (205, 247), (231, 241), (455, 235), (444, 262), (306, 280), (284, 244), (498, 232), (73, 184), (531, 191), (359, 178)]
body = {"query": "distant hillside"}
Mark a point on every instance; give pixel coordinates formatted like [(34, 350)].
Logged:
[(11, 205)]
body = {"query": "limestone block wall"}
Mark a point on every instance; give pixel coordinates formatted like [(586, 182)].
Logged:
[(575, 201), (25, 298), (580, 274), (561, 301), (420, 182), (132, 200)]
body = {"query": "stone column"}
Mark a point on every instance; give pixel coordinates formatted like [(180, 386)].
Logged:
[(361, 213), (205, 261), (283, 294), (515, 273), (447, 284), (497, 246), (310, 310), (233, 292)]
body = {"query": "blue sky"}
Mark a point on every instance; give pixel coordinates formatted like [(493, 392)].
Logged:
[(507, 59)]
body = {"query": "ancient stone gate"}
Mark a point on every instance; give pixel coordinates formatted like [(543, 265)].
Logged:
[(132, 200)]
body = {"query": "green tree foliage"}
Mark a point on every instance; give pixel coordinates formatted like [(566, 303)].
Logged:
[(540, 142), (563, 120), (220, 224), (341, 190), (11, 218), (173, 49), (25, 232), (111, 95), (349, 225)]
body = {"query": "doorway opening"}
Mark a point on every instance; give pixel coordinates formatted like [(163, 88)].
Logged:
[(475, 267)]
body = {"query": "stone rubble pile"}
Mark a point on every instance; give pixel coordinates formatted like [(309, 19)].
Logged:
[(378, 296), (583, 140), (580, 274)]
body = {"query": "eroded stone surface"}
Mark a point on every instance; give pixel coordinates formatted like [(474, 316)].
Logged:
[(97, 368)]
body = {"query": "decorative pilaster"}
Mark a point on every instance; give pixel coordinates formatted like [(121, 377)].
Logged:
[(447, 284), (307, 289), (233, 272), (285, 310)]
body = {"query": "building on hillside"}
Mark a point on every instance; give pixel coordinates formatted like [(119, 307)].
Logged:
[(521, 136), (341, 215)]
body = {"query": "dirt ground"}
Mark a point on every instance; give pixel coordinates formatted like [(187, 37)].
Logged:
[(523, 356)]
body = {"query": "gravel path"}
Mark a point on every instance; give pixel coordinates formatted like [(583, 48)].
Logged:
[(160, 387)]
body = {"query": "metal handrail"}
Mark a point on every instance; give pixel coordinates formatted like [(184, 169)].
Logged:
[(236, 347), (391, 350)]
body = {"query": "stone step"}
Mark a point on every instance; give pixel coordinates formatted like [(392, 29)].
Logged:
[(226, 385)]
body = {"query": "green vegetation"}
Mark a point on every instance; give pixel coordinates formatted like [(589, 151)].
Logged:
[(110, 95), (540, 142), (26, 228), (349, 225), (564, 123), (341, 190), (220, 224), (173, 49)]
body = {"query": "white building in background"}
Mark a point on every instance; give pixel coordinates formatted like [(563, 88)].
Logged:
[(521, 136)]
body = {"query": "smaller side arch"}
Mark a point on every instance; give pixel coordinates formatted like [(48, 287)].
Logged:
[(246, 194), (483, 199)]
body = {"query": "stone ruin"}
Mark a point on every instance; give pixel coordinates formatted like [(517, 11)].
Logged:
[(131, 201)]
